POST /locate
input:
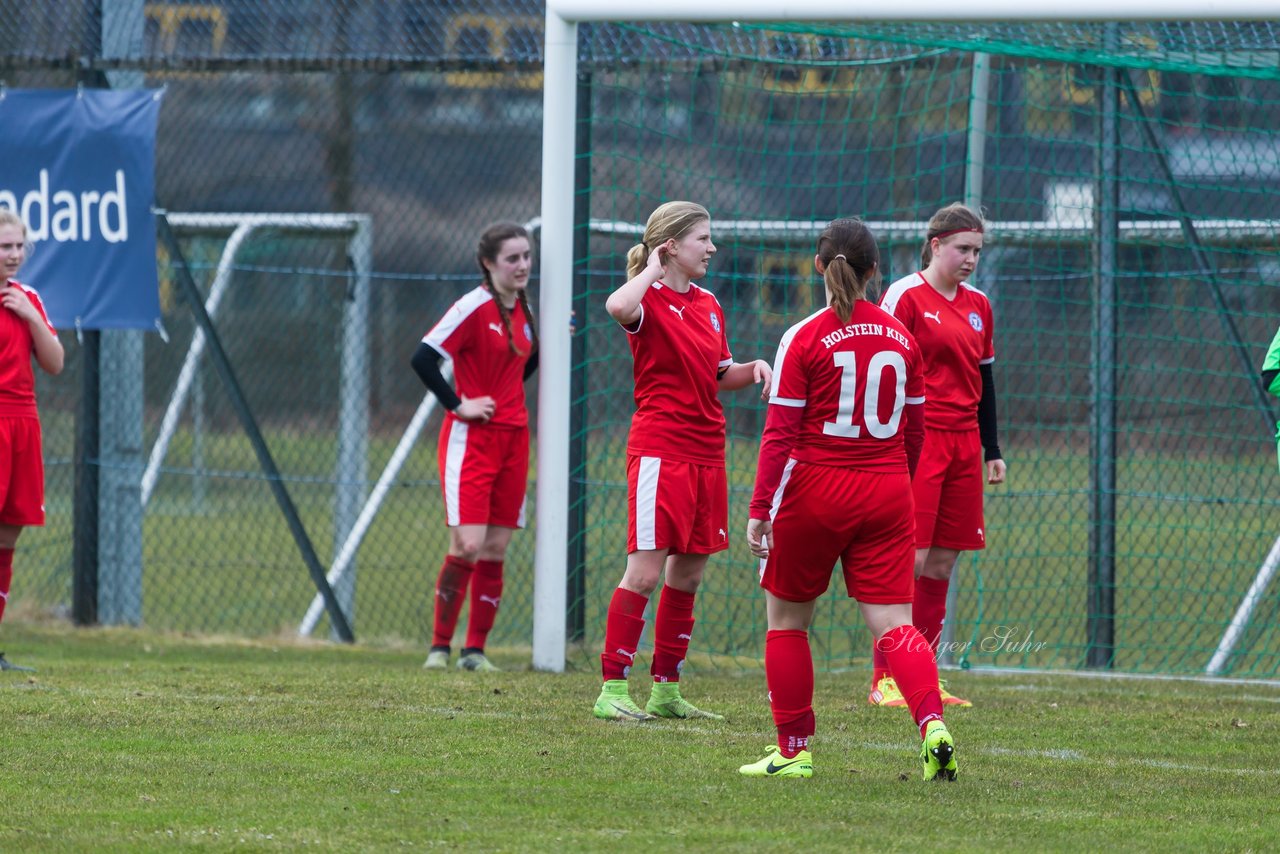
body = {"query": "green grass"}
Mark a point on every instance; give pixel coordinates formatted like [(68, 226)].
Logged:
[(133, 740)]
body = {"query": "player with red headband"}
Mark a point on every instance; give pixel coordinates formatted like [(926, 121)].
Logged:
[(842, 436), (677, 491), (953, 323), (25, 332)]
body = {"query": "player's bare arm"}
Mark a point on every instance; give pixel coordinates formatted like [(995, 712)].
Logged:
[(48, 349), (742, 374), (623, 304)]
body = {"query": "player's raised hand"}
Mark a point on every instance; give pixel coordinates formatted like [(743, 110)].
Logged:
[(758, 533), (475, 409), (657, 258)]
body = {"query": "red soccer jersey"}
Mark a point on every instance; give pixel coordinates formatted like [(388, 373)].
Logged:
[(955, 336), (17, 380), (852, 381), (678, 347), (471, 333)]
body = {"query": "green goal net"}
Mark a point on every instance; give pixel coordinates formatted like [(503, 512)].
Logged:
[(1131, 176)]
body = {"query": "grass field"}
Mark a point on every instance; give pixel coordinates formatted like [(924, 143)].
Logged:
[(132, 740)]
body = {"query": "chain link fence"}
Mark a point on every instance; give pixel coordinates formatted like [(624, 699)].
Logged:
[(425, 119)]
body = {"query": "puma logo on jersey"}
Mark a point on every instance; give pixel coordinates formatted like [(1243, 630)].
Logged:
[(679, 311), (723, 535), (496, 327), (930, 314), (631, 656), (492, 600)]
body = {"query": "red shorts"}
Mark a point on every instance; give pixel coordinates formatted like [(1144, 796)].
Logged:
[(948, 491), (861, 518), (683, 507), (21, 472), (484, 472)]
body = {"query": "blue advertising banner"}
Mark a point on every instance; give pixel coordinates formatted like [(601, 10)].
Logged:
[(79, 168)]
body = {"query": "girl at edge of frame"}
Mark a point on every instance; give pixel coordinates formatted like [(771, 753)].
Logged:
[(678, 495), (484, 441), (842, 438), (25, 332), (955, 327), (1271, 378)]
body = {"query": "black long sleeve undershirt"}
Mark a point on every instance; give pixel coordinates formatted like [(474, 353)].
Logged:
[(987, 415), (426, 363)]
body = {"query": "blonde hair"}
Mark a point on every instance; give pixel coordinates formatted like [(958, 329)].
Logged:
[(954, 217), (8, 217), (850, 261), (670, 221)]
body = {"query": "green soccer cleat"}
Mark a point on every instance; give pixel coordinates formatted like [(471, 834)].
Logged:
[(938, 753), (886, 693), (775, 764), (476, 662), (437, 659), (615, 703), (666, 702), (6, 664)]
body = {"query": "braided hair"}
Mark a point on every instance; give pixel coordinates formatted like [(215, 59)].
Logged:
[(490, 244)]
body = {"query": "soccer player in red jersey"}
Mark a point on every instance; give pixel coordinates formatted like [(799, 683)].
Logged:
[(484, 441), (841, 438), (25, 331), (677, 493), (952, 322)]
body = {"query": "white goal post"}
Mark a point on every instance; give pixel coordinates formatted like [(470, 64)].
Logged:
[(560, 61)]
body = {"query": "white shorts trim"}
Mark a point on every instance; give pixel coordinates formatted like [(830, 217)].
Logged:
[(455, 453), (647, 503)]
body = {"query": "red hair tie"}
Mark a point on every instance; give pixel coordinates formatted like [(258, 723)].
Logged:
[(956, 231)]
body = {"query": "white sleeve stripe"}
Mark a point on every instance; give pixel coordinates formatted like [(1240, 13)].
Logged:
[(439, 348), (628, 329), (787, 401), (724, 363), (889, 301), (452, 319), (987, 361), (915, 399)]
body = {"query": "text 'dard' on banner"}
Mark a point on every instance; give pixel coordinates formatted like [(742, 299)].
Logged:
[(79, 168)]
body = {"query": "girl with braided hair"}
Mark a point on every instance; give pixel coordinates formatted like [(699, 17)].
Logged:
[(484, 440)]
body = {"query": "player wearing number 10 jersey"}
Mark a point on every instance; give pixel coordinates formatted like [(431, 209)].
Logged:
[(843, 433)]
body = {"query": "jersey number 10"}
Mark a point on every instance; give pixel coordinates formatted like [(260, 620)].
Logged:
[(846, 424)]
